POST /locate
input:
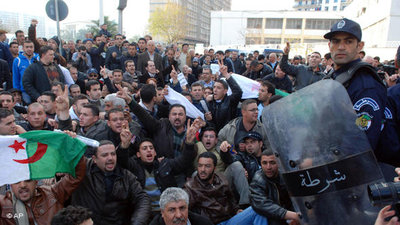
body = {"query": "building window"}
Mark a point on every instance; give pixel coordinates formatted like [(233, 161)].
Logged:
[(335, 1), (312, 2), (319, 24), (320, 1), (326, 8), (334, 8), (342, 7), (293, 23), (315, 41), (253, 41), (254, 23), (274, 24), (326, 1), (300, 2), (292, 40), (272, 40)]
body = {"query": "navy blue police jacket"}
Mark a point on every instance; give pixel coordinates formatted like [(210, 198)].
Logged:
[(369, 100), (389, 143)]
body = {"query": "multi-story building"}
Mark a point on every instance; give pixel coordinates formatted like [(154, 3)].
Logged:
[(379, 21), (198, 16), (13, 21), (73, 28), (270, 27), (321, 5)]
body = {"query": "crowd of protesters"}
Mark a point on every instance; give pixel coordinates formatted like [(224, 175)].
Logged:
[(113, 91)]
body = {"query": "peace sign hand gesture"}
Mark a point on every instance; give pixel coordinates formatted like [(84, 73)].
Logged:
[(62, 104), (223, 69), (191, 130), (103, 72), (123, 94)]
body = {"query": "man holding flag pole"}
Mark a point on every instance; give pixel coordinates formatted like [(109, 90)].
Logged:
[(32, 156)]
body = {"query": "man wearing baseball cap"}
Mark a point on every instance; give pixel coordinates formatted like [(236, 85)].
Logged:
[(250, 158), (366, 90)]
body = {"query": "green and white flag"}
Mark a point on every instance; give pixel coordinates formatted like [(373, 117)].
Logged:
[(250, 87), (38, 155)]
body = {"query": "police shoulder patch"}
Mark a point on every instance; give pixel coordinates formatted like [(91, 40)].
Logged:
[(364, 121), (388, 113), (366, 101)]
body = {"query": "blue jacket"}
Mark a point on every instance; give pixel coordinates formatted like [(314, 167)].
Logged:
[(369, 100), (18, 68), (114, 63), (6, 54), (389, 143)]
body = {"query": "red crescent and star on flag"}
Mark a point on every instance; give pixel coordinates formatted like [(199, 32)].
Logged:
[(40, 151)]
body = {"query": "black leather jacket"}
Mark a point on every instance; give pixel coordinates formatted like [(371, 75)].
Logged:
[(269, 198), (164, 171), (249, 162), (127, 203), (226, 110)]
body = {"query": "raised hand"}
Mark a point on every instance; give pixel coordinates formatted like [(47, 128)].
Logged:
[(126, 136), (208, 116), (34, 22), (199, 123), (286, 50), (191, 130), (174, 75), (103, 72), (62, 104), (123, 94), (225, 146), (165, 90), (223, 69)]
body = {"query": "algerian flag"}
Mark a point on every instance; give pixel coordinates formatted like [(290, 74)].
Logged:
[(250, 87), (38, 155)]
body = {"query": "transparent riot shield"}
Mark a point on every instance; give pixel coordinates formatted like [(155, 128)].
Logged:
[(325, 159)]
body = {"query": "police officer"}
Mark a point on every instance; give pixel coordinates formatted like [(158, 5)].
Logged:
[(366, 90)]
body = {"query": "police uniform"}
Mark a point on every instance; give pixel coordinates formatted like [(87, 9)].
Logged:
[(366, 91), (389, 143), (369, 100)]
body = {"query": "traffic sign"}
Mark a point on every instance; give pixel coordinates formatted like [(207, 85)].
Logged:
[(62, 10)]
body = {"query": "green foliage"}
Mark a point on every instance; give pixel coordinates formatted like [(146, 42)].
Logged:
[(112, 26)]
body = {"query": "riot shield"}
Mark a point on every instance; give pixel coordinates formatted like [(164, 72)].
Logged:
[(325, 159)]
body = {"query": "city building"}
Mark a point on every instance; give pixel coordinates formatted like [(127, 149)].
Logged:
[(270, 27), (321, 5), (379, 21), (198, 16), (70, 30), (13, 21)]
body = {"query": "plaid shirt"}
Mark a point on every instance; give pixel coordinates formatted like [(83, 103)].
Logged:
[(178, 141)]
